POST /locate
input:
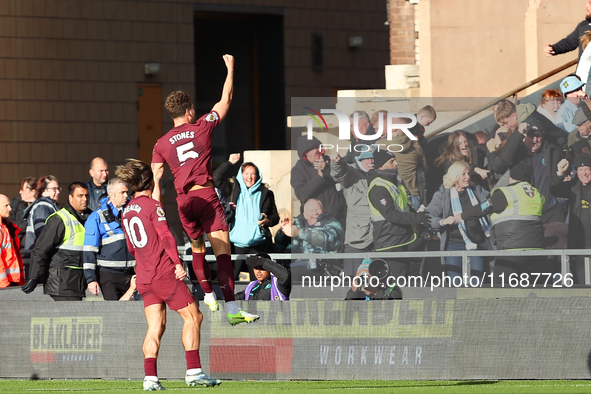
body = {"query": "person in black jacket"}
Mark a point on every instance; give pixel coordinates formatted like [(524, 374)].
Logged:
[(571, 42), (310, 178), (530, 144), (26, 196), (253, 209), (578, 192), (56, 259), (394, 221)]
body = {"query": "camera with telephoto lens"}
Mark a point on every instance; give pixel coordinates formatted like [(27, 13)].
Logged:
[(380, 269)]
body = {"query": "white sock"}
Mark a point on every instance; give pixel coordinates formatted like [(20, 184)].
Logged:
[(193, 371), (210, 297), (152, 378), (232, 307)]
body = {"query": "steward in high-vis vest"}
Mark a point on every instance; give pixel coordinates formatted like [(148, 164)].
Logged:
[(107, 260), (393, 221), (273, 280), (56, 259), (516, 215)]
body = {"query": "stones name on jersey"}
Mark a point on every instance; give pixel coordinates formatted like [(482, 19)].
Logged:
[(181, 136)]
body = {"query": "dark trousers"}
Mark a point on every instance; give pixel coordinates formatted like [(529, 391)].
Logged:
[(114, 284)]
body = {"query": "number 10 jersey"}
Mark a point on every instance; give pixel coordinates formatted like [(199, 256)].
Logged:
[(140, 218)]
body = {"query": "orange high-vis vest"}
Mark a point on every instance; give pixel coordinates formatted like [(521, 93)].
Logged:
[(11, 269)]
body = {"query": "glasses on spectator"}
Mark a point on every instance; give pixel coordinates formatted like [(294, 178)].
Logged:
[(53, 189)]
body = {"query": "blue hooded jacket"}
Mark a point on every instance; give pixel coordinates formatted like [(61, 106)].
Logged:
[(245, 231)]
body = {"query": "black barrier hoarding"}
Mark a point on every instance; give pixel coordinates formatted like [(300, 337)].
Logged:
[(499, 338)]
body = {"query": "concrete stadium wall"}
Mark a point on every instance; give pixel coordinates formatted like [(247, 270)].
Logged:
[(533, 337), (495, 46)]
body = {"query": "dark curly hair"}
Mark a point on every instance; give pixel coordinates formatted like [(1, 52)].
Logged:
[(177, 103)]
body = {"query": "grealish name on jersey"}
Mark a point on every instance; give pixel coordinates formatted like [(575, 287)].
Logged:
[(181, 136), (132, 207)]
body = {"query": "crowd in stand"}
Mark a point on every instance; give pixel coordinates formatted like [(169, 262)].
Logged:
[(519, 185), (524, 183)]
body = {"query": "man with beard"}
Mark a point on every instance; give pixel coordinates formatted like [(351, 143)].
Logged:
[(393, 222), (571, 42), (56, 259)]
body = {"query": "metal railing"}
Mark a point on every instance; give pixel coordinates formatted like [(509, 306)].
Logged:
[(464, 254), (510, 93)]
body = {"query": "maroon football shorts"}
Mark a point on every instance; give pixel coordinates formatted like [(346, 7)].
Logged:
[(167, 289), (200, 211)]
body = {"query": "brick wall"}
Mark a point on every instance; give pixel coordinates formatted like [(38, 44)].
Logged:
[(69, 71), (68, 75), (402, 32)]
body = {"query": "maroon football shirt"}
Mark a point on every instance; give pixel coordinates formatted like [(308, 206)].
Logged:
[(141, 219), (187, 150)]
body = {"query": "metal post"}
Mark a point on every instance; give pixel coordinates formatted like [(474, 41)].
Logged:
[(587, 273), (563, 264), (465, 268)]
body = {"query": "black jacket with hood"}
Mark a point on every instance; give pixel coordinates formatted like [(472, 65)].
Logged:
[(55, 267), (308, 184)]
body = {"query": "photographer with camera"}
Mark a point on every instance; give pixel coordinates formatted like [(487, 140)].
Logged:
[(371, 289)]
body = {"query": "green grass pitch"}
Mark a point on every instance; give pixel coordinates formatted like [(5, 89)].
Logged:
[(307, 387)]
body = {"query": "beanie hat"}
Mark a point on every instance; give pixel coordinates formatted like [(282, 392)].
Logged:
[(381, 157), (582, 160), (304, 145)]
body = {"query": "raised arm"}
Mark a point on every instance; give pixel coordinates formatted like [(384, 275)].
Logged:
[(158, 170), (222, 106)]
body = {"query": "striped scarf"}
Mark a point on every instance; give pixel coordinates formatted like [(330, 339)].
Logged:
[(456, 207)]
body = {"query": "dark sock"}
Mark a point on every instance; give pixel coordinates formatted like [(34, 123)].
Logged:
[(226, 276), (150, 366), (193, 360), (202, 271)]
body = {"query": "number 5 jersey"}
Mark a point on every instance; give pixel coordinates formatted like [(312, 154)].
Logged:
[(187, 150)]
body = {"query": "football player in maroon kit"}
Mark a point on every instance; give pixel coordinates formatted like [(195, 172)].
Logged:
[(187, 150), (159, 276)]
